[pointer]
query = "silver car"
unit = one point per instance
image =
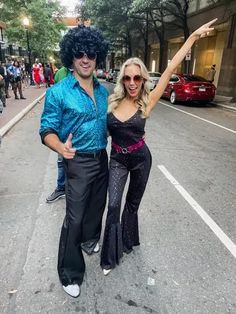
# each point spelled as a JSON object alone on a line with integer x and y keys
{"x": 154, "y": 78}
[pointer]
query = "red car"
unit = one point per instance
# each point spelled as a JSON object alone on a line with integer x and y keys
{"x": 188, "y": 87}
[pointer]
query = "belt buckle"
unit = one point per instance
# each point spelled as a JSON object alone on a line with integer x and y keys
{"x": 124, "y": 150}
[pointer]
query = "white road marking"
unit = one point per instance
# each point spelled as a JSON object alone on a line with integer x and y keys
{"x": 197, "y": 117}
{"x": 201, "y": 212}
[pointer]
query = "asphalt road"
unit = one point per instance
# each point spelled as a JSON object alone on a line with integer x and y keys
{"x": 186, "y": 261}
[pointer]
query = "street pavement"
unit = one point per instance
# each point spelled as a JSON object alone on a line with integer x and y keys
{"x": 182, "y": 266}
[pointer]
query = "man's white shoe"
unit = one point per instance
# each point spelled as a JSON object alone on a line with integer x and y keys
{"x": 72, "y": 290}
{"x": 96, "y": 249}
{"x": 106, "y": 271}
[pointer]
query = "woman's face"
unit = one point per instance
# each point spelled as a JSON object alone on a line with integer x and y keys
{"x": 132, "y": 80}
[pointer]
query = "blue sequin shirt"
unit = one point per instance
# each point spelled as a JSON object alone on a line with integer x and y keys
{"x": 69, "y": 109}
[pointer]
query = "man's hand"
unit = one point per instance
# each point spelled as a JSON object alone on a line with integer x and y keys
{"x": 68, "y": 152}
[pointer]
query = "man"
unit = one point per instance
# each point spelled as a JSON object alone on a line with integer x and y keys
{"x": 59, "y": 192}
{"x": 47, "y": 75}
{"x": 73, "y": 124}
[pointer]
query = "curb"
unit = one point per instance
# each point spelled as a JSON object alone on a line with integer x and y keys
{"x": 226, "y": 106}
{"x": 19, "y": 116}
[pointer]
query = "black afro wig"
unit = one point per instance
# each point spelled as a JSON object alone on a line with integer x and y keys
{"x": 81, "y": 38}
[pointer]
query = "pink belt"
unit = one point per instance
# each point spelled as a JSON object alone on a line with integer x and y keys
{"x": 129, "y": 149}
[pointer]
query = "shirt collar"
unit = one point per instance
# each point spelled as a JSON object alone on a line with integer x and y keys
{"x": 74, "y": 82}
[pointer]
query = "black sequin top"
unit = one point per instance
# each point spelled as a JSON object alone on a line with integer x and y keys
{"x": 128, "y": 132}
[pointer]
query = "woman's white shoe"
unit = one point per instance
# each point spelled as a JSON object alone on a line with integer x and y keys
{"x": 96, "y": 249}
{"x": 72, "y": 290}
{"x": 106, "y": 271}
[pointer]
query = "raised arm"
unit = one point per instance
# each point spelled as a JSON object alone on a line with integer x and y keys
{"x": 156, "y": 94}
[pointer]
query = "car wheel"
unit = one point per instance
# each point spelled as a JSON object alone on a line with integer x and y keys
{"x": 173, "y": 97}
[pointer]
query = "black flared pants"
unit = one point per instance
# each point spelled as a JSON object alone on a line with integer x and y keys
{"x": 119, "y": 238}
{"x": 86, "y": 189}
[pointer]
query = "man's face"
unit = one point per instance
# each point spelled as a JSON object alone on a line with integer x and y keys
{"x": 84, "y": 64}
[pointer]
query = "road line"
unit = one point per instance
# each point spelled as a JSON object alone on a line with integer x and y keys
{"x": 201, "y": 212}
{"x": 193, "y": 115}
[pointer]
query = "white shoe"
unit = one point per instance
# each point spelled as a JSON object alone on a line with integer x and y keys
{"x": 106, "y": 271}
{"x": 96, "y": 249}
{"x": 72, "y": 290}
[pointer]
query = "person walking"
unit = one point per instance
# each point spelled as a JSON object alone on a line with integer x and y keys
{"x": 211, "y": 73}
{"x": 2, "y": 86}
{"x": 74, "y": 124}
{"x": 129, "y": 106}
{"x": 36, "y": 74}
{"x": 16, "y": 77}
{"x": 47, "y": 75}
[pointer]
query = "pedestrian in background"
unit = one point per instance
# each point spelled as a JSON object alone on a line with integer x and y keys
{"x": 2, "y": 92}
{"x": 59, "y": 192}
{"x": 16, "y": 77}
{"x": 8, "y": 77}
{"x": 47, "y": 75}
{"x": 36, "y": 73}
{"x": 211, "y": 73}
{"x": 129, "y": 106}
{"x": 74, "y": 124}
{"x": 2, "y": 86}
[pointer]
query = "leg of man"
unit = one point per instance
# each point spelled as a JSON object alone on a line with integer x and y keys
{"x": 81, "y": 173}
{"x": 92, "y": 226}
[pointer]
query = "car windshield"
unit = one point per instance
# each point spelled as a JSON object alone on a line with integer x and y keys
{"x": 154, "y": 74}
{"x": 195, "y": 78}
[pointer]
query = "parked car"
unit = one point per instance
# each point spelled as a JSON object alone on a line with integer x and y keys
{"x": 154, "y": 78}
{"x": 112, "y": 75}
{"x": 188, "y": 87}
{"x": 101, "y": 74}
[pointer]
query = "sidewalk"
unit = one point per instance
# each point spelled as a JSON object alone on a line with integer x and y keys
{"x": 15, "y": 109}
{"x": 224, "y": 102}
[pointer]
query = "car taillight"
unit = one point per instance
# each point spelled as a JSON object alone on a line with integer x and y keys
{"x": 187, "y": 89}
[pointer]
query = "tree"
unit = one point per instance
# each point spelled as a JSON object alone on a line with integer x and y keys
{"x": 155, "y": 20}
{"x": 45, "y": 24}
{"x": 113, "y": 18}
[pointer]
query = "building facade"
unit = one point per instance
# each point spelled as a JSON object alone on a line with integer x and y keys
{"x": 218, "y": 48}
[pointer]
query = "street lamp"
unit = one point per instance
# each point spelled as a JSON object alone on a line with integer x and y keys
{"x": 26, "y": 24}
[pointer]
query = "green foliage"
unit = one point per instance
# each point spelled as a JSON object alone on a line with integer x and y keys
{"x": 113, "y": 18}
{"x": 45, "y": 23}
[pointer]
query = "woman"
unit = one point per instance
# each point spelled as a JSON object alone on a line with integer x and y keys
{"x": 36, "y": 74}
{"x": 129, "y": 107}
{"x": 16, "y": 77}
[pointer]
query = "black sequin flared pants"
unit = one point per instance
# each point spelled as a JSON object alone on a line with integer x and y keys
{"x": 121, "y": 237}
{"x": 86, "y": 190}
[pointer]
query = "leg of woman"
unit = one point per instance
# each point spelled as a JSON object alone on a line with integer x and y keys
{"x": 112, "y": 249}
{"x": 139, "y": 173}
{"x": 14, "y": 87}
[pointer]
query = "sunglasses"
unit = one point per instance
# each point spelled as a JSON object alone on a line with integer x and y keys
{"x": 136, "y": 78}
{"x": 88, "y": 55}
